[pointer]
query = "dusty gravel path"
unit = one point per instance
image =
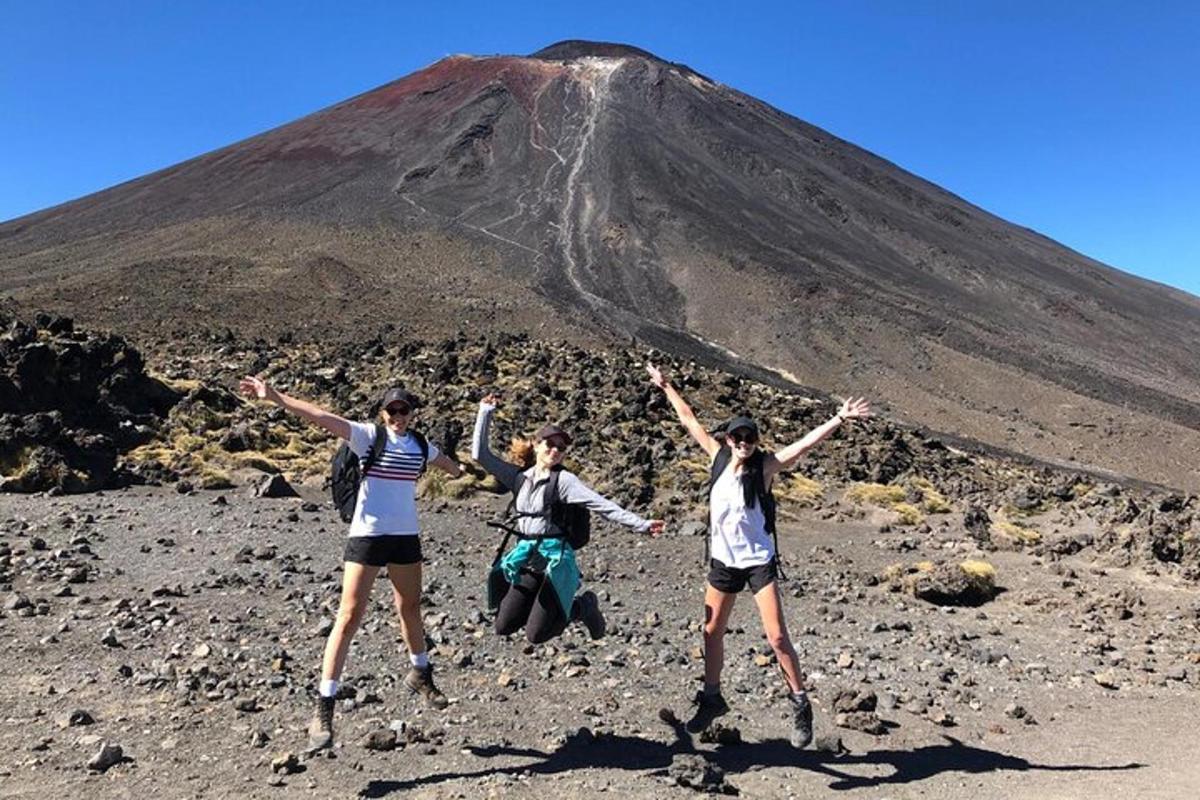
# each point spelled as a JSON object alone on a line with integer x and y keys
{"x": 203, "y": 626}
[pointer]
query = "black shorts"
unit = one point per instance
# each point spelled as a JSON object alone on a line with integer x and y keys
{"x": 379, "y": 551}
{"x": 732, "y": 580}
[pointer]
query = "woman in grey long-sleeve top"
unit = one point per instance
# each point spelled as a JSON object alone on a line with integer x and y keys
{"x": 542, "y": 574}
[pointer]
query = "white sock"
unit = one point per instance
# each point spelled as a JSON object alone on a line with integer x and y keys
{"x": 328, "y": 688}
{"x": 419, "y": 660}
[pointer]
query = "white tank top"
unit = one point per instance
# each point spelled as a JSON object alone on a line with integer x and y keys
{"x": 739, "y": 534}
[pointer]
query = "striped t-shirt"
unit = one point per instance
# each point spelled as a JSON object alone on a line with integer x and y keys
{"x": 387, "y": 503}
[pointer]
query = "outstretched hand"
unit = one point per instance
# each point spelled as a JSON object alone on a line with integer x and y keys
{"x": 254, "y": 387}
{"x": 656, "y": 376}
{"x": 490, "y": 399}
{"x": 656, "y": 527}
{"x": 855, "y": 408}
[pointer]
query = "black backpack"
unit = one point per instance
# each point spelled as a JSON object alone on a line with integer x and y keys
{"x": 573, "y": 519}
{"x": 755, "y": 490}
{"x": 347, "y": 469}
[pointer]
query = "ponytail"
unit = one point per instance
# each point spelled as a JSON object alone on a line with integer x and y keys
{"x": 520, "y": 452}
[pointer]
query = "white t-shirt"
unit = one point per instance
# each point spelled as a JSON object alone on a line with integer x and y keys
{"x": 739, "y": 534}
{"x": 387, "y": 495}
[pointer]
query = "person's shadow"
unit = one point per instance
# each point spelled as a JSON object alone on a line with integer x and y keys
{"x": 636, "y": 754}
{"x": 908, "y": 766}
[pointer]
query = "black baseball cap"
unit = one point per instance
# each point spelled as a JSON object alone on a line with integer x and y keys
{"x": 741, "y": 422}
{"x": 546, "y": 431}
{"x": 398, "y": 394}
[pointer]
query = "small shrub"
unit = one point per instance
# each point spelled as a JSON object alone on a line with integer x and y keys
{"x": 1016, "y": 533}
{"x": 802, "y": 491}
{"x": 932, "y": 501}
{"x": 255, "y": 461}
{"x": 188, "y": 443}
{"x": 876, "y": 494}
{"x": 978, "y": 569}
{"x": 213, "y": 478}
{"x": 437, "y": 484}
{"x": 908, "y": 514}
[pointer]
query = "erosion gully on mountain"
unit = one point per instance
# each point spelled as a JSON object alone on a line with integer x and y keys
{"x": 596, "y": 192}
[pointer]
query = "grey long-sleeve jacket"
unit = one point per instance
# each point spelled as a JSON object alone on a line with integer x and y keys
{"x": 531, "y": 499}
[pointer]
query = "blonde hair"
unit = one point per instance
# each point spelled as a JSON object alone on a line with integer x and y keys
{"x": 520, "y": 452}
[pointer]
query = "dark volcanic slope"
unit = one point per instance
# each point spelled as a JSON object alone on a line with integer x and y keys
{"x": 639, "y": 197}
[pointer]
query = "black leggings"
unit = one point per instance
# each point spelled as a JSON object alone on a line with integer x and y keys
{"x": 531, "y": 602}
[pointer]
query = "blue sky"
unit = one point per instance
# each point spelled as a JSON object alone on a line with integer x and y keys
{"x": 1080, "y": 120}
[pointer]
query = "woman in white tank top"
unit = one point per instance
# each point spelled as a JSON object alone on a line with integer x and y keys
{"x": 743, "y": 547}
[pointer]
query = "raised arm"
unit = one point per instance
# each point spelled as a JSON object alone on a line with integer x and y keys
{"x": 447, "y": 464}
{"x": 573, "y": 490}
{"x": 853, "y": 408}
{"x": 254, "y": 387}
{"x": 503, "y": 471}
{"x": 684, "y": 412}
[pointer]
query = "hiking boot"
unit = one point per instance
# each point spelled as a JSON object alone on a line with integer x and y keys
{"x": 587, "y": 606}
{"x": 320, "y": 730}
{"x": 420, "y": 681}
{"x": 802, "y": 721}
{"x": 708, "y": 708}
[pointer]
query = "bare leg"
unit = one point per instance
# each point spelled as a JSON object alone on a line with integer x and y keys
{"x": 718, "y": 606}
{"x": 357, "y": 580}
{"x": 770, "y": 608}
{"x": 406, "y": 593}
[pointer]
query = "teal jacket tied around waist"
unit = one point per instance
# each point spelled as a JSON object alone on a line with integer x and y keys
{"x": 554, "y": 557}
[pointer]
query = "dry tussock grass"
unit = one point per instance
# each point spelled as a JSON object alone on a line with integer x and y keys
{"x": 800, "y": 490}
{"x": 876, "y": 494}
{"x": 1016, "y": 533}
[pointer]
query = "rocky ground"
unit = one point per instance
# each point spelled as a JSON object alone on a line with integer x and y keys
{"x": 186, "y": 630}
{"x": 970, "y": 621}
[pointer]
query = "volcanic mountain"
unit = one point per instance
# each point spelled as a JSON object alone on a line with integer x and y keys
{"x": 594, "y": 191}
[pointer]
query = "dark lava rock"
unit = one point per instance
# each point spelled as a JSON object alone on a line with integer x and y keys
{"x": 275, "y": 486}
{"x": 695, "y": 772}
{"x": 70, "y": 404}
{"x": 76, "y": 718}
{"x": 865, "y": 721}
{"x": 1028, "y": 498}
{"x": 951, "y": 585}
{"x": 721, "y": 734}
{"x": 110, "y": 754}
{"x": 847, "y": 700}
{"x": 382, "y": 740}
{"x": 978, "y": 524}
{"x": 286, "y": 763}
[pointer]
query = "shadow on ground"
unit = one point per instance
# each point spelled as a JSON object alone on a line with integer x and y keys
{"x": 637, "y": 754}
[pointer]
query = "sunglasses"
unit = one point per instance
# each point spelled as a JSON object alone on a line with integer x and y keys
{"x": 740, "y": 437}
{"x": 556, "y": 444}
{"x": 399, "y": 410}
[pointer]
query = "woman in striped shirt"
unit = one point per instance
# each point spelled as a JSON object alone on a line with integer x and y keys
{"x": 383, "y": 533}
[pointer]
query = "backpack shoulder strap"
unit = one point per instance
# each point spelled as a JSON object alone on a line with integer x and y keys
{"x": 511, "y": 511}
{"x": 720, "y": 462}
{"x": 550, "y": 498}
{"x": 422, "y": 443}
{"x": 719, "y": 465}
{"x": 551, "y": 501}
{"x": 376, "y": 450}
{"x": 766, "y": 499}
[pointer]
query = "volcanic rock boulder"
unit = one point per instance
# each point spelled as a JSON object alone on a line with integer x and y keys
{"x": 970, "y": 583}
{"x": 70, "y": 403}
